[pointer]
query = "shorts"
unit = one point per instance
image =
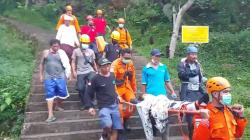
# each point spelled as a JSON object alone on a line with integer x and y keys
{"x": 55, "y": 88}
{"x": 110, "y": 117}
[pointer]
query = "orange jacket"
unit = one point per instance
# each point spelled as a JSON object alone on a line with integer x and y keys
{"x": 222, "y": 126}
{"x": 73, "y": 22}
{"x": 125, "y": 37}
{"x": 119, "y": 70}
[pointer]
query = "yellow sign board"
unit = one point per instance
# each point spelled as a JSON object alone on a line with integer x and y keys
{"x": 195, "y": 34}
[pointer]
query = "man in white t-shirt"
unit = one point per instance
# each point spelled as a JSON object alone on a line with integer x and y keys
{"x": 68, "y": 36}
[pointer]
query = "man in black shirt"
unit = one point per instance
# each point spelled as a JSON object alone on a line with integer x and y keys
{"x": 103, "y": 84}
{"x": 112, "y": 50}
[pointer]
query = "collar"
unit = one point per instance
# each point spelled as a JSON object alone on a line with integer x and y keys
{"x": 184, "y": 60}
{"x": 214, "y": 109}
{"x": 150, "y": 65}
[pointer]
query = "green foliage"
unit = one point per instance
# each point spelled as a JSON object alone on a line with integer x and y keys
{"x": 15, "y": 79}
{"x": 49, "y": 11}
{"x": 30, "y": 16}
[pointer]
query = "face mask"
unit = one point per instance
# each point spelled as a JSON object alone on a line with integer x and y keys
{"x": 226, "y": 99}
{"x": 85, "y": 46}
{"x": 125, "y": 61}
{"x": 121, "y": 25}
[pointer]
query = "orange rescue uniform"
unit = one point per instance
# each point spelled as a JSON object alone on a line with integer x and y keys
{"x": 125, "y": 38}
{"x": 74, "y": 22}
{"x": 127, "y": 89}
{"x": 222, "y": 126}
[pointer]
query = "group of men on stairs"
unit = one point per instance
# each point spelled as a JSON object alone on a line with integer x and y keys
{"x": 106, "y": 72}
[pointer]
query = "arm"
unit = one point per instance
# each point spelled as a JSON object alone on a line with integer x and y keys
{"x": 129, "y": 39}
{"x": 169, "y": 87}
{"x": 167, "y": 81}
{"x": 144, "y": 80}
{"x": 60, "y": 22}
{"x": 59, "y": 34}
{"x": 182, "y": 74}
{"x": 41, "y": 67}
{"x": 89, "y": 96}
{"x": 76, "y": 24}
{"x": 73, "y": 64}
{"x": 94, "y": 63}
{"x": 133, "y": 80}
{"x": 240, "y": 128}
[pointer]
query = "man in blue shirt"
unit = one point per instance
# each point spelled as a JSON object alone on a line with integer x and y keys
{"x": 155, "y": 77}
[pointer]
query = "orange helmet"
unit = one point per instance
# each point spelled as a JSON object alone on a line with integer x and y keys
{"x": 99, "y": 12}
{"x": 68, "y": 8}
{"x": 217, "y": 84}
{"x": 121, "y": 21}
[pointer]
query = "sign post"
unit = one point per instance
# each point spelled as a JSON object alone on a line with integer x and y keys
{"x": 195, "y": 34}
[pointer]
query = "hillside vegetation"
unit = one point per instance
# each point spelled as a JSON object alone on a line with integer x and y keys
{"x": 226, "y": 54}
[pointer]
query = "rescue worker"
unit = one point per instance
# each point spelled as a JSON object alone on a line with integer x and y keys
{"x": 83, "y": 66}
{"x": 54, "y": 69}
{"x": 125, "y": 38}
{"x": 100, "y": 23}
{"x": 67, "y": 36}
{"x": 74, "y": 22}
{"x": 190, "y": 75}
{"x": 220, "y": 121}
{"x": 112, "y": 50}
{"x": 124, "y": 72}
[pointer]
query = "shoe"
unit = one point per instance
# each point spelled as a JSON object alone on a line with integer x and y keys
{"x": 51, "y": 119}
{"x": 57, "y": 108}
{"x": 84, "y": 108}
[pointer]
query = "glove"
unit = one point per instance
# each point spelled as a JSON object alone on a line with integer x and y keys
{"x": 173, "y": 95}
{"x": 193, "y": 73}
{"x": 204, "y": 99}
{"x": 238, "y": 110}
{"x": 134, "y": 101}
{"x": 128, "y": 74}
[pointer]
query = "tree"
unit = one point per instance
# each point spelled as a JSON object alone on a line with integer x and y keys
{"x": 176, "y": 25}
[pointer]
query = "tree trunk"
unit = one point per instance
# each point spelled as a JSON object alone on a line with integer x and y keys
{"x": 177, "y": 24}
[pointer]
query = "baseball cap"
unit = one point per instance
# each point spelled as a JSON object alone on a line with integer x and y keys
{"x": 103, "y": 61}
{"x": 192, "y": 49}
{"x": 155, "y": 52}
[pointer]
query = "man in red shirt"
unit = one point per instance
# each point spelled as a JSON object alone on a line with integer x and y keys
{"x": 100, "y": 23}
{"x": 90, "y": 30}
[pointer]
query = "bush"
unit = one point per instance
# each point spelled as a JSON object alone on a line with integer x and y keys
{"x": 15, "y": 80}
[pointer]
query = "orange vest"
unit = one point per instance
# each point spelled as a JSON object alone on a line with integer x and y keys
{"x": 125, "y": 37}
{"x": 119, "y": 70}
{"x": 222, "y": 126}
{"x": 74, "y": 22}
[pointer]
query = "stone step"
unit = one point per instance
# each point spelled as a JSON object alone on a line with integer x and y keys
{"x": 60, "y": 126}
{"x": 42, "y": 106}
{"x": 40, "y": 116}
{"x": 177, "y": 129}
{"x": 136, "y": 132}
{"x": 38, "y": 97}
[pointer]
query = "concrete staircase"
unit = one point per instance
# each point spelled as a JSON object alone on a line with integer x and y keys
{"x": 71, "y": 124}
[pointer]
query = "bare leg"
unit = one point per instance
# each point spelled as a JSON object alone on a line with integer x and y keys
{"x": 113, "y": 135}
{"x": 50, "y": 108}
{"x": 58, "y": 103}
